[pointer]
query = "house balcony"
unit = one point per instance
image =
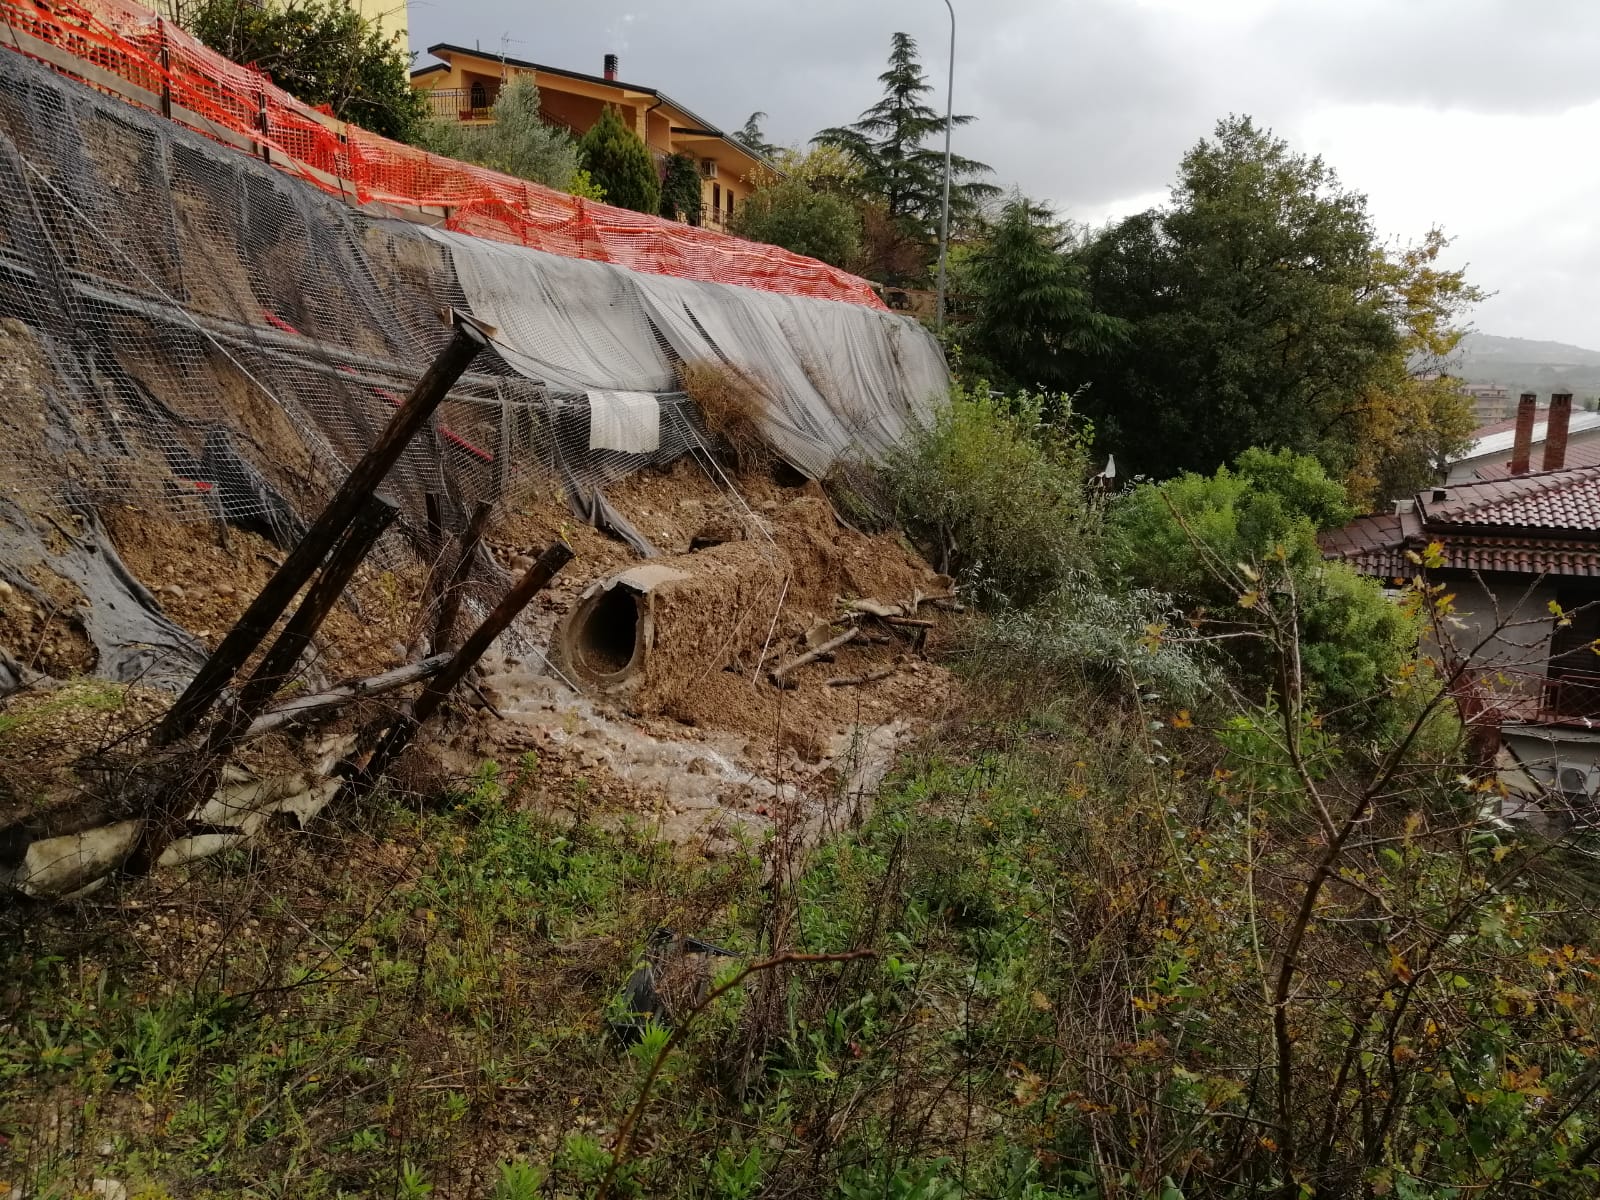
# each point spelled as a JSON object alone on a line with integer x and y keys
{"x": 462, "y": 104}
{"x": 1503, "y": 695}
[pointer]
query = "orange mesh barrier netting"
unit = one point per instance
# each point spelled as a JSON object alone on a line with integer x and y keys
{"x": 127, "y": 50}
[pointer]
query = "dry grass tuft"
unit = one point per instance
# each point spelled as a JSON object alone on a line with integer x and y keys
{"x": 733, "y": 404}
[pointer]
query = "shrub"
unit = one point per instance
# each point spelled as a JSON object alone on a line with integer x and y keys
{"x": 680, "y": 190}
{"x": 518, "y": 143}
{"x": 995, "y": 494}
{"x": 1083, "y": 630}
{"x": 619, "y": 162}
{"x": 791, "y": 215}
{"x": 1196, "y": 536}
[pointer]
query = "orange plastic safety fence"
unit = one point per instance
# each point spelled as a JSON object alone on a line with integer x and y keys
{"x": 122, "y": 48}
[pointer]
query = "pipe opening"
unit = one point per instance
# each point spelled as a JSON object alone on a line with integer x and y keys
{"x": 608, "y": 638}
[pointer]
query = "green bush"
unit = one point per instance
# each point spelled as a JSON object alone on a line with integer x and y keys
{"x": 995, "y": 494}
{"x": 1083, "y": 630}
{"x": 1199, "y": 537}
{"x": 518, "y": 143}
{"x": 792, "y": 215}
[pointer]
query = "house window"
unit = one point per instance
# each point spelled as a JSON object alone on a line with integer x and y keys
{"x": 480, "y": 96}
{"x": 716, "y": 198}
{"x": 730, "y": 204}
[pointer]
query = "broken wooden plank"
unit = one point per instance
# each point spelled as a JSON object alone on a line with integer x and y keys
{"x": 302, "y": 707}
{"x": 777, "y": 674}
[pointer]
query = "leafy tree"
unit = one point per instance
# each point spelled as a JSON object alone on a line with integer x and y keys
{"x": 1029, "y": 303}
{"x": 790, "y": 214}
{"x": 619, "y": 162}
{"x": 888, "y": 141}
{"x": 1196, "y": 536}
{"x": 1263, "y": 311}
{"x": 680, "y": 190}
{"x": 751, "y": 138}
{"x": 518, "y": 143}
{"x": 323, "y": 52}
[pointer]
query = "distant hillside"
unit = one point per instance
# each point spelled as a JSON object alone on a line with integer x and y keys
{"x": 1528, "y": 365}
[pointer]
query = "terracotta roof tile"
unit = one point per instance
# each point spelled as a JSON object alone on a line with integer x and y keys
{"x": 1567, "y": 500}
{"x": 1544, "y": 524}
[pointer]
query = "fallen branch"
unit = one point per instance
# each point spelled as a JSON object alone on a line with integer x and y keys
{"x": 858, "y": 680}
{"x": 811, "y": 656}
{"x": 909, "y": 622}
{"x": 345, "y": 693}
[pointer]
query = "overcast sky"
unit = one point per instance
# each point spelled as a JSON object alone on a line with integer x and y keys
{"x": 1481, "y": 116}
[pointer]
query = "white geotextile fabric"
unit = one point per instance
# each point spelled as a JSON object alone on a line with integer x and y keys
{"x": 626, "y": 421}
{"x": 845, "y": 381}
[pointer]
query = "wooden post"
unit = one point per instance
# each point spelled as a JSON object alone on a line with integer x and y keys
{"x": 405, "y": 727}
{"x": 444, "y": 631}
{"x": 279, "y": 662}
{"x": 302, "y": 707}
{"x": 434, "y": 512}
{"x": 469, "y": 338}
{"x": 166, "y": 68}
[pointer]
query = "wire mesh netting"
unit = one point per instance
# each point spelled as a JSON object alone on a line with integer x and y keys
{"x": 224, "y": 339}
{"x": 147, "y": 61}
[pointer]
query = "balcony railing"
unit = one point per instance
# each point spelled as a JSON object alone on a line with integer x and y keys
{"x": 1495, "y": 695}
{"x": 461, "y": 104}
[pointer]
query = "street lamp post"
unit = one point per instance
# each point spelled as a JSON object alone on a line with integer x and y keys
{"x": 949, "y": 122}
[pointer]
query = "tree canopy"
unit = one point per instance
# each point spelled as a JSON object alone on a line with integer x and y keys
{"x": 899, "y": 170}
{"x": 1262, "y": 310}
{"x": 323, "y": 52}
{"x": 751, "y": 138}
{"x": 790, "y": 214}
{"x": 619, "y": 163}
{"x": 1030, "y": 308}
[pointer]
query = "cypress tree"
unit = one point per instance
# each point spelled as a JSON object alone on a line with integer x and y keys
{"x": 619, "y": 162}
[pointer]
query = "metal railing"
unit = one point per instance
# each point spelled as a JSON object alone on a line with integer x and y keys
{"x": 461, "y": 104}
{"x": 1498, "y": 694}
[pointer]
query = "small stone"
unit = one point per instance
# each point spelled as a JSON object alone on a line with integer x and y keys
{"x": 520, "y": 562}
{"x": 109, "y": 1189}
{"x": 226, "y": 589}
{"x": 173, "y": 590}
{"x": 6, "y": 590}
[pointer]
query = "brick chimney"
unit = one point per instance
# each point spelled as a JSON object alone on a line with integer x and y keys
{"x": 611, "y": 66}
{"x": 1522, "y": 448}
{"x": 1555, "y": 437}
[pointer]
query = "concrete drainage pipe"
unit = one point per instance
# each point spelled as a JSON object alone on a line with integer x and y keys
{"x": 604, "y": 643}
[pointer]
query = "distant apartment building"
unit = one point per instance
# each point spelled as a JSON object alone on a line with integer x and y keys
{"x": 463, "y": 86}
{"x": 1490, "y": 401}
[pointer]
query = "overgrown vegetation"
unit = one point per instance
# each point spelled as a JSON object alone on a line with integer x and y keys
{"x": 321, "y": 51}
{"x": 792, "y": 214}
{"x": 994, "y": 492}
{"x": 733, "y": 404}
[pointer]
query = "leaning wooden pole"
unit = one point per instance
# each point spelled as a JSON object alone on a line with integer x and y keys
{"x": 405, "y": 727}
{"x": 467, "y": 339}
{"x": 279, "y": 663}
{"x": 444, "y": 631}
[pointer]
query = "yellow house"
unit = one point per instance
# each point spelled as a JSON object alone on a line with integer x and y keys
{"x": 463, "y": 87}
